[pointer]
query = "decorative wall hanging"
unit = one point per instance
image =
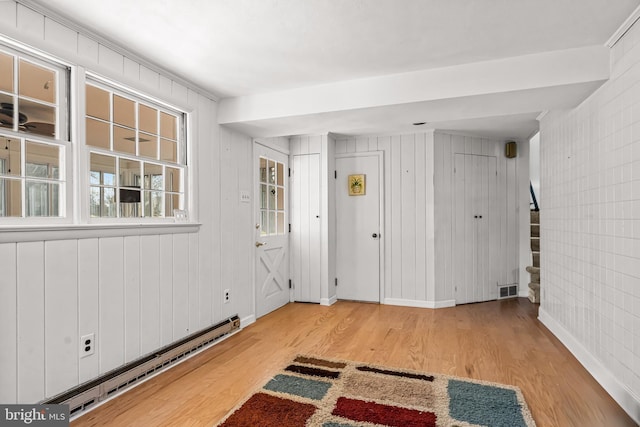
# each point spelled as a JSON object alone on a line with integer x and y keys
{"x": 357, "y": 185}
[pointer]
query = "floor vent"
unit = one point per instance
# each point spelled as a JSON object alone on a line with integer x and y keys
{"x": 85, "y": 396}
{"x": 508, "y": 291}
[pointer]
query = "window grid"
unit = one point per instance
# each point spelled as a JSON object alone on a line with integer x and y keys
{"x": 272, "y": 197}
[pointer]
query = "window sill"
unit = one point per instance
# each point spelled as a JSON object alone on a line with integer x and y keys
{"x": 16, "y": 234}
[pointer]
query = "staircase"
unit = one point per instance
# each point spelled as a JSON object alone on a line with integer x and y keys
{"x": 534, "y": 270}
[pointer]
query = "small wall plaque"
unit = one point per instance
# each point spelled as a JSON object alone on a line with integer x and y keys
{"x": 357, "y": 185}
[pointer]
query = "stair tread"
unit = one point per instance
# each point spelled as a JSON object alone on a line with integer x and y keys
{"x": 532, "y": 269}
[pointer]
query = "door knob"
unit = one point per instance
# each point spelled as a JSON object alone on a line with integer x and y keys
{"x": 258, "y": 244}
{"x": 374, "y": 235}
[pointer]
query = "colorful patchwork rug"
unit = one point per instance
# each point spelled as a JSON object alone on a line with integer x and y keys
{"x": 315, "y": 391}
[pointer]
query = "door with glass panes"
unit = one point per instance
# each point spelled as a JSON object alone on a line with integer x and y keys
{"x": 271, "y": 233}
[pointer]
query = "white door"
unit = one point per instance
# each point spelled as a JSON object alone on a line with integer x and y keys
{"x": 305, "y": 227}
{"x": 358, "y": 226}
{"x": 272, "y": 240}
{"x": 475, "y": 231}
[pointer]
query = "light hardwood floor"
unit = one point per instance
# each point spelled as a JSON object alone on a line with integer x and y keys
{"x": 500, "y": 341}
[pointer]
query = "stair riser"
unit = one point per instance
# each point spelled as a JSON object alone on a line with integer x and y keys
{"x": 535, "y": 217}
{"x": 535, "y": 230}
{"x": 536, "y": 260}
{"x": 535, "y": 245}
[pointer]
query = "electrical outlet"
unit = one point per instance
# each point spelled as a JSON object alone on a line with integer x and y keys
{"x": 87, "y": 345}
{"x": 227, "y": 297}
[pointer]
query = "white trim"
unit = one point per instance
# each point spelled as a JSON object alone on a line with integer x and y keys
{"x": 420, "y": 304}
{"x": 540, "y": 117}
{"x": 329, "y": 301}
{"x": 622, "y": 29}
{"x": 620, "y": 393}
{"x": 271, "y": 145}
{"x": 247, "y": 320}
{"x": 87, "y": 231}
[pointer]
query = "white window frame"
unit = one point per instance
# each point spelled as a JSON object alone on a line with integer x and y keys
{"x": 86, "y": 150}
{"x": 63, "y": 104}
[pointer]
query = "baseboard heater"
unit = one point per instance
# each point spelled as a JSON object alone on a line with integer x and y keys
{"x": 84, "y": 396}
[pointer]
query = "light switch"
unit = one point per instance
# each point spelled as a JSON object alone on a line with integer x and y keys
{"x": 245, "y": 197}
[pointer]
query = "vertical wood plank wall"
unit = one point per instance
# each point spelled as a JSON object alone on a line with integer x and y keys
{"x": 507, "y": 260}
{"x": 135, "y": 292}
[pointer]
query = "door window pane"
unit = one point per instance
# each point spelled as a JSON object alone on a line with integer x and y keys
{"x": 272, "y": 172}
{"x": 280, "y": 222}
{"x": 280, "y": 206}
{"x": 263, "y": 169}
{"x": 272, "y": 197}
{"x": 280, "y": 174}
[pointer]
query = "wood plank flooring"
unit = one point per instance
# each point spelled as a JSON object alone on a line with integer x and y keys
{"x": 499, "y": 341}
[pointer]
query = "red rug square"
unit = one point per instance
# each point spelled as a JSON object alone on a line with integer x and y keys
{"x": 359, "y": 410}
{"x": 265, "y": 410}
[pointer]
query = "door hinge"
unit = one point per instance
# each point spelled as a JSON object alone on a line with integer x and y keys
{"x": 336, "y": 281}
{"x": 289, "y": 228}
{"x": 335, "y": 174}
{"x": 289, "y": 172}
{"x": 290, "y": 284}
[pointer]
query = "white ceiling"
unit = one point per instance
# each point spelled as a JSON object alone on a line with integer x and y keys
{"x": 241, "y": 48}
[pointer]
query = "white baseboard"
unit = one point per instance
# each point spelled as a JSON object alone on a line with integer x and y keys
{"x": 329, "y": 301}
{"x": 620, "y": 393}
{"x": 420, "y": 304}
{"x": 246, "y": 321}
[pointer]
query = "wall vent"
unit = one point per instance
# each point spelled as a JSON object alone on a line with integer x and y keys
{"x": 508, "y": 291}
{"x": 85, "y": 396}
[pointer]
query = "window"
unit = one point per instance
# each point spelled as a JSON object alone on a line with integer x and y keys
{"x": 136, "y": 155}
{"x": 271, "y": 197}
{"x": 33, "y": 136}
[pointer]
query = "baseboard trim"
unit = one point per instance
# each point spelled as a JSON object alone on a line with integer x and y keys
{"x": 420, "y": 304}
{"x": 329, "y": 301}
{"x": 248, "y": 320}
{"x": 618, "y": 391}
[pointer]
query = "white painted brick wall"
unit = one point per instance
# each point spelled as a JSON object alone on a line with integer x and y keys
{"x": 590, "y": 219}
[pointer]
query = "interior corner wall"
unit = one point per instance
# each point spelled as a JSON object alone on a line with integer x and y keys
{"x": 590, "y": 227}
{"x": 509, "y": 197}
{"x": 408, "y": 214}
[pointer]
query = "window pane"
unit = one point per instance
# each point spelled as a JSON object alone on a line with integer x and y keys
{"x": 129, "y": 203}
{"x": 263, "y": 196}
{"x": 10, "y": 157}
{"x": 147, "y": 119}
{"x": 263, "y": 169}
{"x": 102, "y": 202}
{"x": 130, "y": 173}
{"x": 280, "y": 199}
{"x": 280, "y": 222}
{"x": 36, "y": 82}
{"x": 6, "y": 111}
{"x": 264, "y": 223}
{"x": 272, "y": 197}
{"x": 280, "y": 180}
{"x": 168, "y": 150}
{"x": 10, "y": 197}
{"x": 98, "y": 134}
{"x": 6, "y": 72}
{"x": 148, "y": 145}
{"x": 42, "y": 199}
{"x": 43, "y": 161}
{"x": 153, "y": 204}
{"x": 103, "y": 169}
{"x": 98, "y": 104}
{"x": 172, "y": 179}
{"x": 124, "y": 140}
{"x": 172, "y": 201}
{"x": 39, "y": 118}
{"x": 124, "y": 112}
{"x": 168, "y": 126}
{"x": 272, "y": 223}
{"x": 152, "y": 176}
{"x": 272, "y": 172}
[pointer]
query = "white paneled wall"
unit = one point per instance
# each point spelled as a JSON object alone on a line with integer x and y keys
{"x": 590, "y": 227}
{"x": 509, "y": 187}
{"x": 408, "y": 223}
{"x": 137, "y": 290}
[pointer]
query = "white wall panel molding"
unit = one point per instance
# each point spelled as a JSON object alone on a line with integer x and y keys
{"x": 535, "y": 71}
{"x": 420, "y": 304}
{"x": 620, "y": 393}
{"x": 329, "y": 301}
